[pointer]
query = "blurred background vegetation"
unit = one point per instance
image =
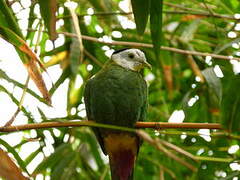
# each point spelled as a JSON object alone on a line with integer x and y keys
{"x": 194, "y": 79}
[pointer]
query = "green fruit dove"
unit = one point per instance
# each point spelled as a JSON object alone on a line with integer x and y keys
{"x": 117, "y": 95}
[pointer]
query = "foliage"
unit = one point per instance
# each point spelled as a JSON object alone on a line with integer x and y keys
{"x": 178, "y": 81}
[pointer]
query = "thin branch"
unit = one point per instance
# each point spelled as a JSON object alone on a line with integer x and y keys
{"x": 198, "y": 12}
{"x": 177, "y": 149}
{"x": 204, "y": 14}
{"x": 139, "y": 132}
{"x": 160, "y": 165}
{"x": 158, "y": 146}
{"x": 166, "y": 125}
{"x": 214, "y": 159}
{"x": 168, "y": 171}
{"x": 181, "y": 7}
{"x": 98, "y": 14}
{"x": 20, "y": 102}
{"x": 9, "y": 122}
{"x": 154, "y": 125}
{"x": 90, "y": 56}
{"x": 213, "y": 135}
{"x": 161, "y": 174}
{"x": 195, "y": 68}
{"x": 26, "y": 83}
{"x": 187, "y": 11}
{"x": 104, "y": 174}
{"x": 22, "y": 86}
{"x": 146, "y": 45}
{"x": 61, "y": 124}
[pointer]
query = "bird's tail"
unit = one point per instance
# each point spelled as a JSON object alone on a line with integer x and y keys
{"x": 122, "y": 149}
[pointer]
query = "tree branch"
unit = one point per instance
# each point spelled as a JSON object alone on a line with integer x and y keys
{"x": 188, "y": 11}
{"x": 146, "y": 45}
{"x": 154, "y": 125}
{"x": 159, "y": 146}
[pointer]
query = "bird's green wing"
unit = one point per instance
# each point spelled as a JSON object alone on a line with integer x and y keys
{"x": 89, "y": 110}
{"x": 143, "y": 114}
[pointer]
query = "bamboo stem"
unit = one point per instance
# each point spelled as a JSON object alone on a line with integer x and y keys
{"x": 166, "y": 125}
{"x": 154, "y": 125}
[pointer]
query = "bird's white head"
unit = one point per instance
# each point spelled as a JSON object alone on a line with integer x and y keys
{"x": 133, "y": 59}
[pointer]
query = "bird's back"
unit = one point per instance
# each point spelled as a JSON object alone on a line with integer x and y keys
{"x": 117, "y": 96}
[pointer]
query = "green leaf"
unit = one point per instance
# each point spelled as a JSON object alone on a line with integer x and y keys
{"x": 140, "y": 11}
{"x": 189, "y": 31}
{"x": 227, "y": 5}
{"x": 28, "y": 58}
{"x": 14, "y": 100}
{"x": 230, "y": 106}
{"x": 75, "y": 92}
{"x": 10, "y": 36}
{"x": 156, "y": 25}
{"x": 64, "y": 166}
{"x": 30, "y": 34}
{"x": 48, "y": 9}
{"x": 32, "y": 156}
{"x": 54, "y": 158}
{"x": 74, "y": 56}
{"x": 3, "y": 75}
{"x": 7, "y": 18}
{"x": 65, "y": 74}
{"x": 225, "y": 46}
{"x": 231, "y": 175}
{"x": 213, "y": 82}
{"x": 88, "y": 137}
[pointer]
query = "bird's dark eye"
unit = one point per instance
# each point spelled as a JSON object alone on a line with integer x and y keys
{"x": 131, "y": 56}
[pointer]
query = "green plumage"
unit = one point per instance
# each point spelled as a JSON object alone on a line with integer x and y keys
{"x": 115, "y": 96}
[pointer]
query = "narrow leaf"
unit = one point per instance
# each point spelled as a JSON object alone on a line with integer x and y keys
{"x": 48, "y": 9}
{"x": 190, "y": 30}
{"x": 28, "y": 58}
{"x": 64, "y": 166}
{"x": 156, "y": 24}
{"x": 51, "y": 161}
{"x": 32, "y": 16}
{"x": 32, "y": 156}
{"x": 213, "y": 82}
{"x": 74, "y": 56}
{"x": 231, "y": 104}
{"x": 7, "y": 18}
{"x": 140, "y": 11}
{"x": 3, "y": 75}
{"x": 65, "y": 74}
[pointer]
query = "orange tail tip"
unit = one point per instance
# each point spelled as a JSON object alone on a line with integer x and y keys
{"x": 122, "y": 150}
